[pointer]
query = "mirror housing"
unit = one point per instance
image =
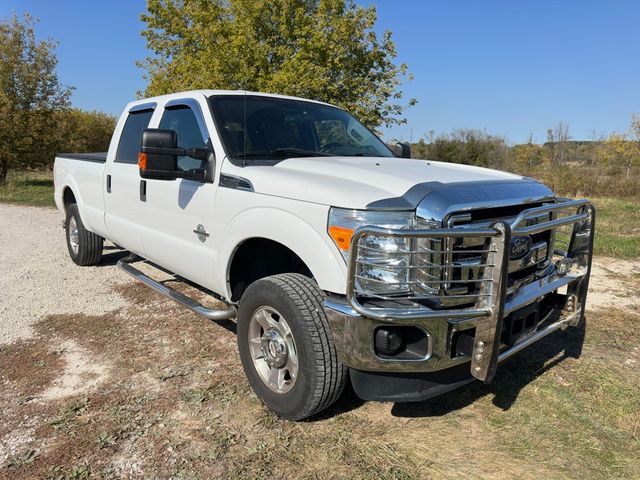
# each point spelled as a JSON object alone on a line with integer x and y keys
{"x": 401, "y": 149}
{"x": 158, "y": 157}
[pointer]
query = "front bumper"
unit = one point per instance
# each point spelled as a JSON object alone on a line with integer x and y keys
{"x": 354, "y": 334}
{"x": 442, "y": 367}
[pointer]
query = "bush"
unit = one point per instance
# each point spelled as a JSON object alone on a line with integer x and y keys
{"x": 82, "y": 131}
{"x": 570, "y": 168}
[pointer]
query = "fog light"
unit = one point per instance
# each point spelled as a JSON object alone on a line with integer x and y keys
{"x": 562, "y": 267}
{"x": 388, "y": 342}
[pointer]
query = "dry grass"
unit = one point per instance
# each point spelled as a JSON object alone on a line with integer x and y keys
{"x": 617, "y": 227}
{"x": 176, "y": 404}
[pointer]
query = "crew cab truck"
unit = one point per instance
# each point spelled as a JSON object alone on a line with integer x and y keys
{"x": 336, "y": 255}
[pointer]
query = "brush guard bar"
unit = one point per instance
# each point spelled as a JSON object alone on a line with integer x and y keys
{"x": 489, "y": 297}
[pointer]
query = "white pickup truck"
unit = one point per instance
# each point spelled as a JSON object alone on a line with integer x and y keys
{"x": 335, "y": 256}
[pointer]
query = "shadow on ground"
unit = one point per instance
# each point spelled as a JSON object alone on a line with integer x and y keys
{"x": 512, "y": 376}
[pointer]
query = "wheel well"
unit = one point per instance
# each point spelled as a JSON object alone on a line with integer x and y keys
{"x": 68, "y": 198}
{"x": 257, "y": 258}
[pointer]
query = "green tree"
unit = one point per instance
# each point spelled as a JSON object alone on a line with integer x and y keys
{"x": 321, "y": 49}
{"x": 30, "y": 96}
{"x": 528, "y": 156}
{"x": 81, "y": 131}
{"x": 621, "y": 153}
{"x": 464, "y": 145}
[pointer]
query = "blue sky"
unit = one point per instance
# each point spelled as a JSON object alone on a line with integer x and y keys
{"x": 511, "y": 67}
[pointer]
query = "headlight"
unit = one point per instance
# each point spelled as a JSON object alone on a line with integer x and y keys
{"x": 382, "y": 261}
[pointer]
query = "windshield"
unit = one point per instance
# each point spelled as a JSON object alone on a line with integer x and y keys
{"x": 255, "y": 127}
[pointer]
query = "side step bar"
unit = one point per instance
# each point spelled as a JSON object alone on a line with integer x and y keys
{"x": 212, "y": 314}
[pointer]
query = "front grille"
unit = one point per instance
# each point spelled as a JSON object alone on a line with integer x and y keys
{"x": 521, "y": 271}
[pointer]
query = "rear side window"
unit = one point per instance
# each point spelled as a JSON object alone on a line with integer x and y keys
{"x": 129, "y": 145}
{"x": 183, "y": 120}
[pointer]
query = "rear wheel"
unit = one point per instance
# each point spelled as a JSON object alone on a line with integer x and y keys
{"x": 85, "y": 247}
{"x": 286, "y": 346}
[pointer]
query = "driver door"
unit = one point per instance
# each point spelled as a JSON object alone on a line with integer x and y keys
{"x": 178, "y": 214}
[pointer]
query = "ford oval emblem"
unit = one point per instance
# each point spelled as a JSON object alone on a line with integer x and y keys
{"x": 519, "y": 247}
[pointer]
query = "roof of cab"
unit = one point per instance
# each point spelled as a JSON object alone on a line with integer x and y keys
{"x": 209, "y": 93}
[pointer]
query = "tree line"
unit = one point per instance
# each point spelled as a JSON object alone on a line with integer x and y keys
{"x": 36, "y": 117}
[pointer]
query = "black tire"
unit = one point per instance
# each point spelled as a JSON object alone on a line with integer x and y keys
{"x": 89, "y": 251}
{"x": 321, "y": 377}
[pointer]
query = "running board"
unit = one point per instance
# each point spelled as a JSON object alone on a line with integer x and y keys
{"x": 212, "y": 314}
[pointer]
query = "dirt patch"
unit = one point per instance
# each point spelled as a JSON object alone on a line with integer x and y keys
{"x": 614, "y": 284}
{"x": 82, "y": 372}
{"x": 170, "y": 401}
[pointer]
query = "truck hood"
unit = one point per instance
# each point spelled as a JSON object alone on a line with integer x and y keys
{"x": 363, "y": 182}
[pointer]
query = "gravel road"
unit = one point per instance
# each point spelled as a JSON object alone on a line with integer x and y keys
{"x": 38, "y": 278}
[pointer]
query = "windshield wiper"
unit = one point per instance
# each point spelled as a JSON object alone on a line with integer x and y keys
{"x": 283, "y": 152}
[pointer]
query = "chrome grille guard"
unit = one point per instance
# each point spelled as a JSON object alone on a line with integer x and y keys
{"x": 488, "y": 297}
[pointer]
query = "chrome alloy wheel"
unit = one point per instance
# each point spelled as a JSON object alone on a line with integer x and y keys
{"x": 273, "y": 349}
{"x": 74, "y": 236}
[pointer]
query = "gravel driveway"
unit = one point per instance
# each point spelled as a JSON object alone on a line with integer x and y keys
{"x": 38, "y": 278}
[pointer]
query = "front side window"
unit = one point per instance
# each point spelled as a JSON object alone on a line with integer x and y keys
{"x": 259, "y": 127}
{"x": 183, "y": 120}
{"x": 129, "y": 145}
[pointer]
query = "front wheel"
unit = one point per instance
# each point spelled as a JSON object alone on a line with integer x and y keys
{"x": 85, "y": 247}
{"x": 286, "y": 346}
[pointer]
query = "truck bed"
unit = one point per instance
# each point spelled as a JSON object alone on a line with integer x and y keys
{"x": 83, "y": 174}
{"x": 98, "y": 157}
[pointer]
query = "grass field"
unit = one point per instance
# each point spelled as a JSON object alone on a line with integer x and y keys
{"x": 617, "y": 227}
{"x": 28, "y": 188}
{"x": 617, "y": 223}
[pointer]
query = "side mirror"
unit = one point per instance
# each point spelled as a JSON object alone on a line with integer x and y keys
{"x": 401, "y": 149}
{"x": 158, "y": 157}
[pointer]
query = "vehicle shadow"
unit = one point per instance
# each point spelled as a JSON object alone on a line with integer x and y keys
{"x": 111, "y": 259}
{"x": 512, "y": 376}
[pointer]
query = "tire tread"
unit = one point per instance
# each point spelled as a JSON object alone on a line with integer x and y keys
{"x": 331, "y": 374}
{"x": 91, "y": 245}
{"x": 310, "y": 298}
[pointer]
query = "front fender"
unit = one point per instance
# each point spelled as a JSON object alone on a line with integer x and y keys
{"x": 303, "y": 232}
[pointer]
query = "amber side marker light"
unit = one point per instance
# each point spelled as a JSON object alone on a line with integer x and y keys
{"x": 142, "y": 161}
{"x": 342, "y": 236}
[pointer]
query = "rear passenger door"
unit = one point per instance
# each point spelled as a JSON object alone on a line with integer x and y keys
{"x": 121, "y": 182}
{"x": 174, "y": 211}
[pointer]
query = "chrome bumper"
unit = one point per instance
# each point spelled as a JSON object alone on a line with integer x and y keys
{"x": 354, "y": 322}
